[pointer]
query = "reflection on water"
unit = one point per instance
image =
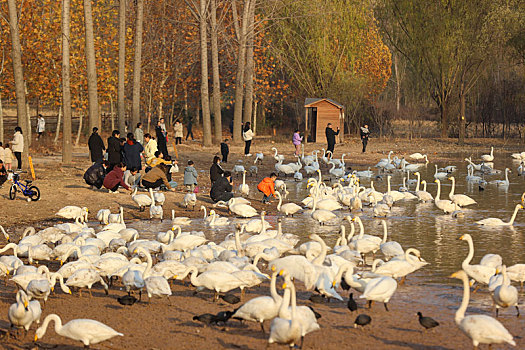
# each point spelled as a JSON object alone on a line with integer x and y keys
{"x": 412, "y": 224}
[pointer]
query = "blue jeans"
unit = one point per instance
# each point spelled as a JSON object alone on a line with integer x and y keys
{"x": 266, "y": 199}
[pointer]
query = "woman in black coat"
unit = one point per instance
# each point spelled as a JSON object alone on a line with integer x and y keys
{"x": 114, "y": 155}
{"x": 132, "y": 151}
{"x": 96, "y": 146}
{"x": 215, "y": 171}
{"x": 161, "y": 140}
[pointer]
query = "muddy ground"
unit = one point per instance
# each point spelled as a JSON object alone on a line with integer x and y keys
{"x": 163, "y": 324}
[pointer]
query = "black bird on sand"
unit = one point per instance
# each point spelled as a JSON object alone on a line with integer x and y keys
{"x": 427, "y": 322}
{"x": 318, "y": 299}
{"x": 352, "y": 305}
{"x": 223, "y": 316}
{"x": 205, "y": 318}
{"x": 230, "y": 298}
{"x": 362, "y": 320}
{"x": 127, "y": 300}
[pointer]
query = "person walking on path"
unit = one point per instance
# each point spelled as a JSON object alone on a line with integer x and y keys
{"x": 40, "y": 126}
{"x": 114, "y": 149}
{"x": 18, "y": 146}
{"x": 215, "y": 171}
{"x": 156, "y": 177}
{"x": 225, "y": 150}
{"x": 132, "y": 151}
{"x": 161, "y": 139}
{"x": 179, "y": 132}
{"x": 96, "y": 146}
{"x": 221, "y": 190}
{"x": 96, "y": 173}
{"x": 190, "y": 176}
{"x": 365, "y": 133}
{"x": 247, "y": 136}
{"x": 330, "y": 137}
{"x": 139, "y": 134}
{"x": 189, "y": 128}
{"x": 267, "y": 187}
{"x": 115, "y": 178}
{"x": 296, "y": 140}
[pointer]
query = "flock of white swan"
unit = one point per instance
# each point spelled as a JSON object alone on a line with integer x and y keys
{"x": 116, "y": 251}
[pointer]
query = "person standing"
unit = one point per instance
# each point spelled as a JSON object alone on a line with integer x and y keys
{"x": 18, "y": 146}
{"x": 247, "y": 136}
{"x": 221, "y": 190}
{"x": 179, "y": 133}
{"x": 40, "y": 126}
{"x": 114, "y": 149}
{"x": 96, "y": 146}
{"x": 225, "y": 150}
{"x": 190, "y": 176}
{"x": 330, "y": 137}
{"x": 8, "y": 157}
{"x": 189, "y": 129}
{"x": 215, "y": 171}
{"x": 132, "y": 151}
{"x": 365, "y": 133}
{"x": 296, "y": 140}
{"x": 139, "y": 134}
{"x": 161, "y": 139}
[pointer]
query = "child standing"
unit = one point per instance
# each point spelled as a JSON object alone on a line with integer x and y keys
{"x": 267, "y": 187}
{"x": 190, "y": 176}
{"x": 225, "y": 150}
{"x": 296, "y": 140}
{"x": 8, "y": 157}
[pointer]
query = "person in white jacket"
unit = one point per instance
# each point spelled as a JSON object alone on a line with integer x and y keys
{"x": 18, "y": 146}
{"x": 40, "y": 126}
{"x": 247, "y": 135}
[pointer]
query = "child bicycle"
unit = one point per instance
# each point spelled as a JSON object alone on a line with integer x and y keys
{"x": 32, "y": 192}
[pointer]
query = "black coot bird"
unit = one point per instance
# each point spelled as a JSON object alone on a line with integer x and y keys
{"x": 427, "y": 322}
{"x": 317, "y": 299}
{"x": 230, "y": 298}
{"x": 362, "y": 320}
{"x": 352, "y": 305}
{"x": 127, "y": 300}
{"x": 205, "y": 318}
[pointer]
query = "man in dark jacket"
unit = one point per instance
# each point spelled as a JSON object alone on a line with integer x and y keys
{"x": 330, "y": 137}
{"x": 96, "y": 146}
{"x": 94, "y": 176}
{"x": 221, "y": 190}
{"x": 365, "y": 133}
{"x": 114, "y": 156}
{"x": 161, "y": 140}
{"x": 132, "y": 151}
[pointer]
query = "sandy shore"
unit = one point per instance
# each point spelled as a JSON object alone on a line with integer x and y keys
{"x": 168, "y": 325}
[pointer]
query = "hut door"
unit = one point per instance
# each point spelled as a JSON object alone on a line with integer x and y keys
{"x": 312, "y": 124}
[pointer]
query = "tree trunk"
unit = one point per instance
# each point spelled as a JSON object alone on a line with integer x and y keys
{"x": 67, "y": 152}
{"x": 161, "y": 90}
{"x": 137, "y": 64}
{"x": 248, "y": 94}
{"x": 1, "y": 120}
{"x": 91, "y": 67}
{"x": 112, "y": 115}
{"x": 444, "y": 119}
{"x": 254, "y": 126}
{"x": 29, "y": 128}
{"x": 121, "y": 108}
{"x": 18, "y": 72}
{"x": 59, "y": 121}
{"x": 79, "y": 128}
{"x": 462, "y": 121}
{"x": 398, "y": 83}
{"x": 205, "y": 97}
{"x": 186, "y": 102}
{"x": 239, "y": 78}
{"x": 217, "y": 115}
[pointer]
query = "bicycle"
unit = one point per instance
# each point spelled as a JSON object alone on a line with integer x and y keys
{"x": 28, "y": 190}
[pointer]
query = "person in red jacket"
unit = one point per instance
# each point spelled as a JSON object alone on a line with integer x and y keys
{"x": 267, "y": 187}
{"x": 115, "y": 178}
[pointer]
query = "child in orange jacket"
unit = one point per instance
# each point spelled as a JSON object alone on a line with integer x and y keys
{"x": 267, "y": 187}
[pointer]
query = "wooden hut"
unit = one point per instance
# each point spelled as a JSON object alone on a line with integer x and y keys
{"x": 318, "y": 113}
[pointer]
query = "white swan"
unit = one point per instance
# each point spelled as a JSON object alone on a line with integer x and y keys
{"x": 73, "y": 212}
{"x": 322, "y": 215}
{"x": 243, "y": 210}
{"x": 155, "y": 211}
{"x": 460, "y": 199}
{"x": 379, "y": 289}
{"x": 488, "y": 157}
{"x": 115, "y": 218}
{"x": 505, "y": 295}
{"x": 288, "y": 208}
{"x": 217, "y": 220}
{"x": 24, "y": 312}
{"x": 142, "y": 200}
{"x": 244, "y": 188}
{"x": 276, "y": 156}
{"x": 480, "y": 273}
{"x": 84, "y": 330}
{"x": 392, "y": 248}
{"x": 103, "y": 216}
{"x": 218, "y": 281}
{"x": 499, "y": 222}
{"x": 444, "y": 204}
{"x": 286, "y": 330}
{"x": 422, "y": 195}
{"x": 258, "y": 158}
{"x": 502, "y": 183}
{"x": 339, "y": 172}
{"x": 480, "y": 328}
{"x": 440, "y": 175}
{"x": 85, "y": 278}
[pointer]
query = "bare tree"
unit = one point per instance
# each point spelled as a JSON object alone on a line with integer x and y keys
{"x": 67, "y": 155}
{"x": 217, "y": 115}
{"x": 121, "y": 65}
{"x": 18, "y": 73}
{"x": 91, "y": 67}
{"x": 205, "y": 98}
{"x": 1, "y": 108}
{"x": 139, "y": 27}
{"x": 248, "y": 93}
